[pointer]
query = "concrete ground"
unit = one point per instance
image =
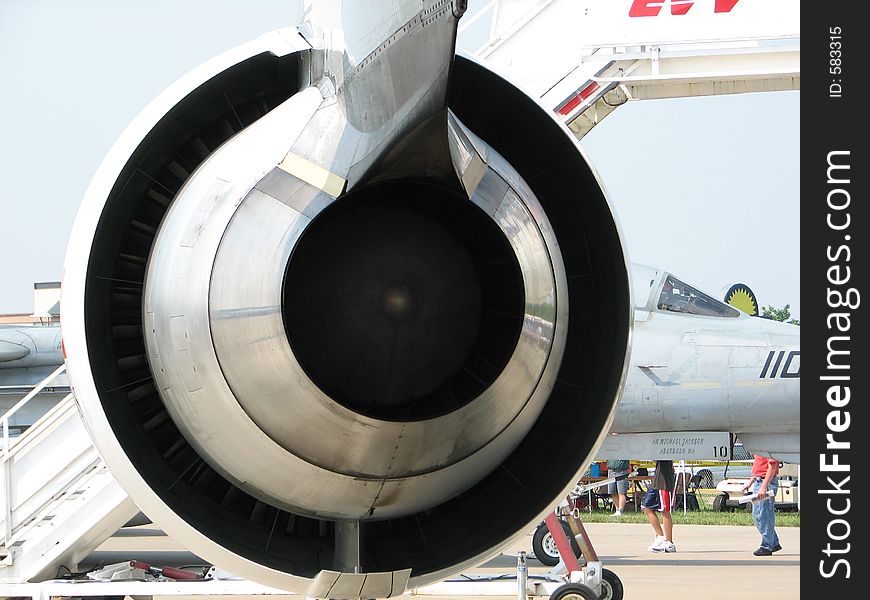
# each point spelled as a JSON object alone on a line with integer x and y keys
{"x": 711, "y": 562}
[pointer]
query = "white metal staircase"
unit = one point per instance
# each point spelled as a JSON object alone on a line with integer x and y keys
{"x": 585, "y": 58}
{"x": 59, "y": 500}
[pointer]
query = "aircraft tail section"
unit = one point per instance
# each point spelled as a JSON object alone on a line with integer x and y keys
{"x": 742, "y": 298}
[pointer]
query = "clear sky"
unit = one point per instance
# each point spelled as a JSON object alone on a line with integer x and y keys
{"x": 707, "y": 188}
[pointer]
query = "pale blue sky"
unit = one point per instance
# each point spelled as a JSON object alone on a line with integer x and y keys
{"x": 705, "y": 187}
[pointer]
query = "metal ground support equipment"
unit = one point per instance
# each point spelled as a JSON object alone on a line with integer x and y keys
{"x": 58, "y": 501}
{"x": 543, "y": 544}
{"x": 590, "y": 580}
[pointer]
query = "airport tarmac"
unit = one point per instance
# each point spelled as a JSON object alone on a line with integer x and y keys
{"x": 711, "y": 562}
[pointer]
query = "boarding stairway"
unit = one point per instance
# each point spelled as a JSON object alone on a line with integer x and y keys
{"x": 585, "y": 58}
{"x": 608, "y": 77}
{"x": 59, "y": 501}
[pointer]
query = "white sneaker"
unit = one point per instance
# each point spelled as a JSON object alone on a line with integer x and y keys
{"x": 658, "y": 541}
{"x": 665, "y": 546}
{"x": 618, "y": 513}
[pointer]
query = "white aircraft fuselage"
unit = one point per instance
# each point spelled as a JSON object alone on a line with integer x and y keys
{"x": 28, "y": 353}
{"x": 697, "y": 364}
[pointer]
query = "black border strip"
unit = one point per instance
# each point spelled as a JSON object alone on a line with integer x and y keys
{"x": 835, "y": 228}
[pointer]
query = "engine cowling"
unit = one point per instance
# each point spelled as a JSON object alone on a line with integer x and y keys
{"x": 372, "y": 389}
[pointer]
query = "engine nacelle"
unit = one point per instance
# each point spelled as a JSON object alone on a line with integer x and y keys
{"x": 344, "y": 393}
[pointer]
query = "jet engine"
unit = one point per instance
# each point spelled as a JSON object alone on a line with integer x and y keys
{"x": 352, "y": 375}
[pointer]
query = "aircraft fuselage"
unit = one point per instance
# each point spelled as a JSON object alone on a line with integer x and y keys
{"x": 710, "y": 372}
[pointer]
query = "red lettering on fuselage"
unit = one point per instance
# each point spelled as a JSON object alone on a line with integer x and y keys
{"x": 645, "y": 8}
{"x": 681, "y": 8}
{"x": 652, "y": 8}
{"x": 724, "y": 5}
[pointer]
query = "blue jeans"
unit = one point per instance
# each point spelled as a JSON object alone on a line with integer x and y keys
{"x": 763, "y": 514}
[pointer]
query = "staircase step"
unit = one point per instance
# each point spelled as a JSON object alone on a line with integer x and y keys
{"x": 63, "y": 500}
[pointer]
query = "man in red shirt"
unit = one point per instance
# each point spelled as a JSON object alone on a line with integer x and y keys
{"x": 764, "y": 479}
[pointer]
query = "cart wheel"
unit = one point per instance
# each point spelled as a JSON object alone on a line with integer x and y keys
{"x": 573, "y": 591}
{"x": 720, "y": 503}
{"x": 611, "y": 586}
{"x": 544, "y": 546}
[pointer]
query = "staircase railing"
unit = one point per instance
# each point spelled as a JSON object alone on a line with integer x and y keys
{"x": 7, "y": 444}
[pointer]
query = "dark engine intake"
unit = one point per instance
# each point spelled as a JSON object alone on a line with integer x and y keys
{"x": 395, "y": 382}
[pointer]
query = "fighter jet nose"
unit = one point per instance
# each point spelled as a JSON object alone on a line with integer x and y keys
{"x": 10, "y": 351}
